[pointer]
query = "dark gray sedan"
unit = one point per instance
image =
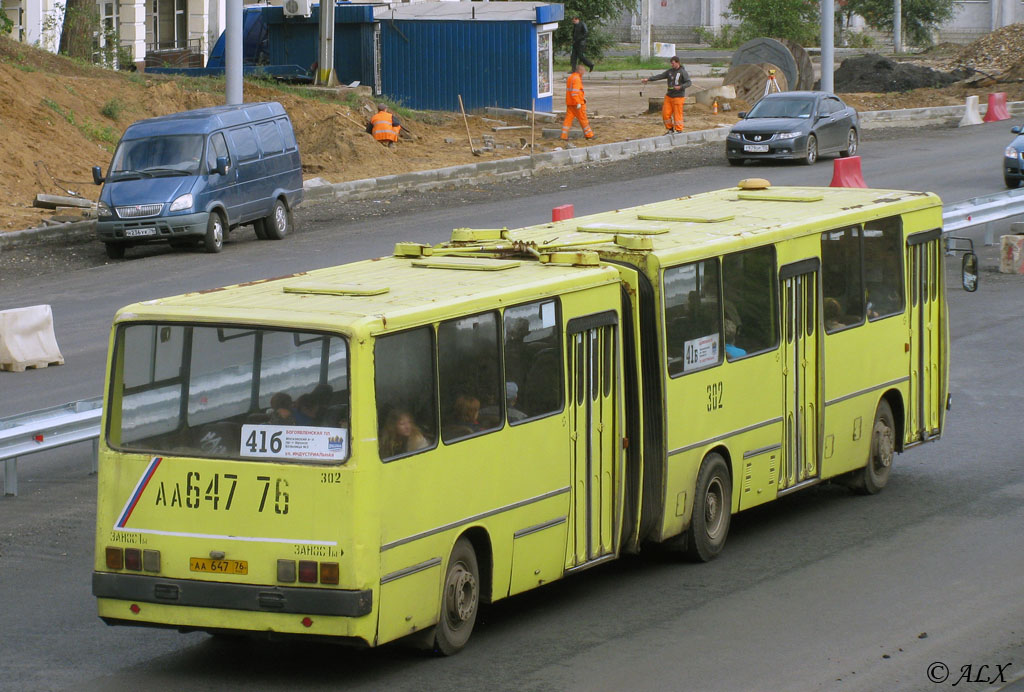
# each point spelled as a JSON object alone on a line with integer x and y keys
{"x": 797, "y": 125}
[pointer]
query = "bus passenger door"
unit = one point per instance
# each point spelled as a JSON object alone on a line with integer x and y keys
{"x": 800, "y": 367}
{"x": 592, "y": 405}
{"x": 926, "y": 375}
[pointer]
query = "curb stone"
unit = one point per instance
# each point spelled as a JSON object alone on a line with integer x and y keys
{"x": 517, "y": 167}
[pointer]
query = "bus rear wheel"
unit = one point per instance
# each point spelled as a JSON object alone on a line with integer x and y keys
{"x": 873, "y": 477}
{"x": 712, "y": 509}
{"x": 460, "y": 600}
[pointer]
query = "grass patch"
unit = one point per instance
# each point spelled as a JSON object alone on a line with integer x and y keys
{"x": 112, "y": 109}
{"x": 104, "y": 134}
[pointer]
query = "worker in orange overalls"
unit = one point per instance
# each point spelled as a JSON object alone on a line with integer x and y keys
{"x": 672, "y": 106}
{"x": 576, "y": 104}
{"x": 384, "y": 126}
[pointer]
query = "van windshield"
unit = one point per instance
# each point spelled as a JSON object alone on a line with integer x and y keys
{"x": 157, "y": 156}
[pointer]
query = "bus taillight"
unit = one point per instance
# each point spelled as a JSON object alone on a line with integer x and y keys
{"x": 307, "y": 571}
{"x": 133, "y": 559}
{"x": 329, "y": 572}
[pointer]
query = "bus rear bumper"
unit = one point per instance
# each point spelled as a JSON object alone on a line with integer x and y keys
{"x": 250, "y": 597}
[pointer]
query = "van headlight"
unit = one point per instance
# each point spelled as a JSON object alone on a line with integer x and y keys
{"x": 103, "y": 209}
{"x": 182, "y": 203}
{"x": 1010, "y": 153}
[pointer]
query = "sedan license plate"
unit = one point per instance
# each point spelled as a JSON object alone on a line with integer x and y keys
{"x": 202, "y": 564}
{"x": 136, "y": 232}
{"x": 756, "y": 148}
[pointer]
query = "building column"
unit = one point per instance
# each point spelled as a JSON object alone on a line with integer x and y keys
{"x": 133, "y": 29}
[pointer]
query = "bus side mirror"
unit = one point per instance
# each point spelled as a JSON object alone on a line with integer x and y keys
{"x": 222, "y": 165}
{"x": 97, "y": 175}
{"x": 969, "y": 272}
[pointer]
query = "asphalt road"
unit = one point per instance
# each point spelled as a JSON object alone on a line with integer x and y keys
{"x": 819, "y": 591}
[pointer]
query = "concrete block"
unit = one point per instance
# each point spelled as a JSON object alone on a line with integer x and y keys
{"x": 1011, "y": 254}
{"x": 27, "y": 339}
{"x": 722, "y": 93}
{"x": 971, "y": 114}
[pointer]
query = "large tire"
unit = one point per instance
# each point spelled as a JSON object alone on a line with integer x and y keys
{"x": 875, "y": 474}
{"x": 460, "y": 600}
{"x": 852, "y": 142}
{"x": 712, "y": 510}
{"x": 115, "y": 250}
{"x": 812, "y": 151}
{"x": 279, "y": 223}
{"x": 214, "y": 239}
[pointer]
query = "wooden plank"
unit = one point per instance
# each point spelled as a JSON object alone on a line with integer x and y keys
{"x": 53, "y": 201}
{"x": 510, "y": 127}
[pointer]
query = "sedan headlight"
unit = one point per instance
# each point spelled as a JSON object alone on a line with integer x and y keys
{"x": 788, "y": 135}
{"x": 734, "y": 135}
{"x": 182, "y": 203}
{"x": 103, "y": 209}
{"x": 1011, "y": 153}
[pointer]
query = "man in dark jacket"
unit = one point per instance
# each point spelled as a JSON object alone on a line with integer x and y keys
{"x": 672, "y": 107}
{"x": 579, "y": 44}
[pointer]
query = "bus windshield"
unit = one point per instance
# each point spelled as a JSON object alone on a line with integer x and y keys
{"x": 230, "y": 392}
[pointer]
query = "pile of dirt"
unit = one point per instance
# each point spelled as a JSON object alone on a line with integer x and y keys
{"x": 874, "y": 73}
{"x": 993, "y": 53}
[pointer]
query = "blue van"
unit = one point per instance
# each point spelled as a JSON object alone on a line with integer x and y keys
{"x": 189, "y": 178}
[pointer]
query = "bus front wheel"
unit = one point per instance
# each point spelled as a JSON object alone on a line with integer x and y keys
{"x": 875, "y": 474}
{"x": 460, "y": 600}
{"x": 712, "y": 509}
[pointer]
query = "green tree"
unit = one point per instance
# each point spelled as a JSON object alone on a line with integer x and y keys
{"x": 920, "y": 17}
{"x": 6, "y": 24}
{"x": 596, "y": 13}
{"x": 797, "y": 20}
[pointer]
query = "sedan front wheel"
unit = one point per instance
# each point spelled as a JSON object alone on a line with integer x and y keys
{"x": 812, "y": 151}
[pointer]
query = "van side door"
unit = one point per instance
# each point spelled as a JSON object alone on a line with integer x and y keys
{"x": 273, "y": 163}
{"x": 246, "y": 153}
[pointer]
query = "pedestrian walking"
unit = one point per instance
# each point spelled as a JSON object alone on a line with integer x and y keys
{"x": 576, "y": 104}
{"x": 579, "y": 44}
{"x": 672, "y": 107}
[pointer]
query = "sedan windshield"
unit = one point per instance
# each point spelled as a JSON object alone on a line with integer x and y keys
{"x": 782, "y": 108}
{"x": 157, "y": 156}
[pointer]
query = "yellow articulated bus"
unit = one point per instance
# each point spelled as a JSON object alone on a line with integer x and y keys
{"x": 370, "y": 451}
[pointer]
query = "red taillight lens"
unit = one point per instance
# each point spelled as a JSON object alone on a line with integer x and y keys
{"x": 133, "y": 559}
{"x": 307, "y": 571}
{"x": 328, "y": 572}
{"x": 115, "y": 558}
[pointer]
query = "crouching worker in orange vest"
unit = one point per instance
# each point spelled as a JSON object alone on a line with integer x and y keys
{"x": 384, "y": 126}
{"x": 576, "y": 104}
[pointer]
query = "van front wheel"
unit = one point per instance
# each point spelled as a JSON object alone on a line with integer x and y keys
{"x": 214, "y": 239}
{"x": 279, "y": 223}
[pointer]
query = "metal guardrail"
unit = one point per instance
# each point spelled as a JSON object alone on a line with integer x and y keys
{"x": 982, "y": 210}
{"x": 48, "y": 428}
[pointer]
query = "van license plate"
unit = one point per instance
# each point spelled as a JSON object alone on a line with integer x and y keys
{"x": 202, "y": 564}
{"x": 756, "y": 148}
{"x": 136, "y": 232}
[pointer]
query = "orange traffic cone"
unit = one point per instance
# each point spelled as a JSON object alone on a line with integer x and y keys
{"x": 714, "y": 107}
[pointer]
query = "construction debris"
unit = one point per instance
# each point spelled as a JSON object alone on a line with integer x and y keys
{"x": 873, "y": 72}
{"x": 53, "y": 201}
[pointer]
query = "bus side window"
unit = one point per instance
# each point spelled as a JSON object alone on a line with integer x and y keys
{"x": 406, "y": 393}
{"x": 751, "y": 302}
{"x": 533, "y": 357}
{"x": 469, "y": 368}
{"x": 843, "y": 304}
{"x": 883, "y": 267}
{"x": 693, "y": 317}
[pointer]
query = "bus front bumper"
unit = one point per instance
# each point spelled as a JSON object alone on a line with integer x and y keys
{"x": 251, "y": 597}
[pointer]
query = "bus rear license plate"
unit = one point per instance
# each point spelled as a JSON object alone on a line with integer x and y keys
{"x": 203, "y": 564}
{"x": 136, "y": 232}
{"x": 756, "y": 148}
